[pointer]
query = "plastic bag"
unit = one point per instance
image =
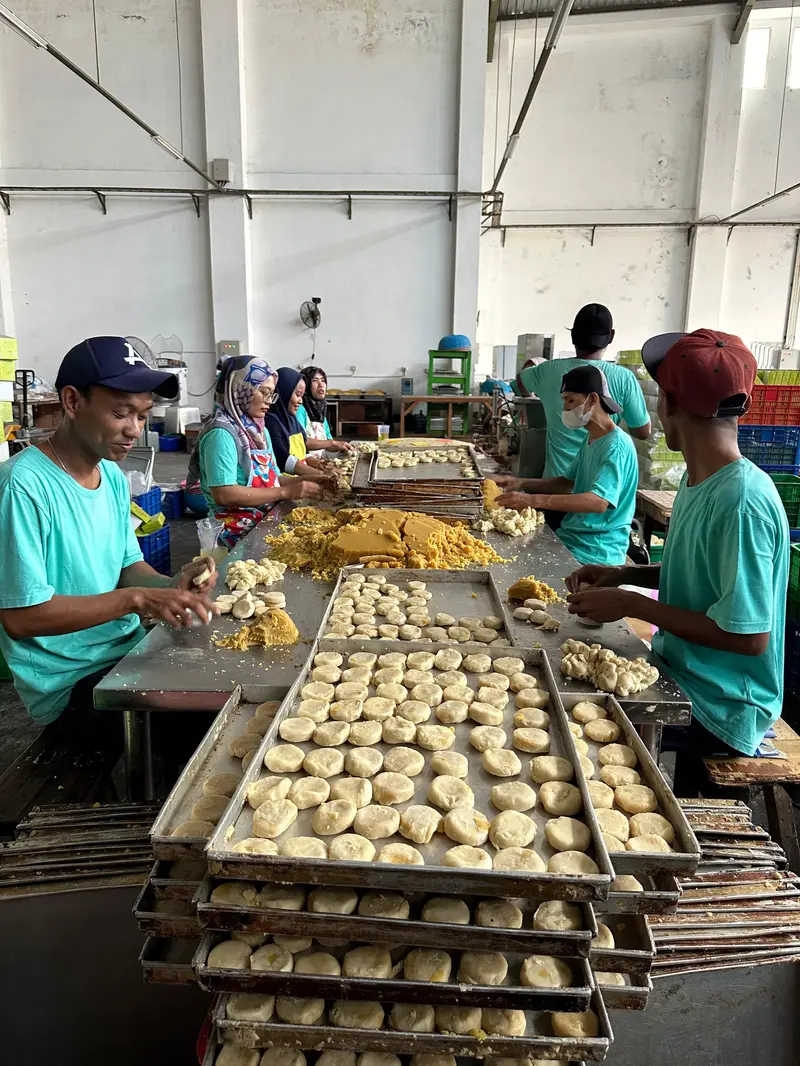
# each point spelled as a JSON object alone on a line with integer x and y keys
{"x": 137, "y": 482}
{"x": 208, "y": 531}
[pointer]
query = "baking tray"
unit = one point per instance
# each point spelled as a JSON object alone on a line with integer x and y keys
{"x": 634, "y": 949}
{"x": 236, "y": 823}
{"x": 538, "y": 1043}
{"x": 661, "y": 896}
{"x": 149, "y": 920}
{"x": 685, "y": 858}
{"x": 563, "y": 944}
{"x": 211, "y": 757}
{"x": 425, "y": 472}
{"x": 455, "y": 592}
{"x": 396, "y": 989}
{"x": 165, "y": 961}
{"x": 166, "y": 887}
{"x": 633, "y": 995}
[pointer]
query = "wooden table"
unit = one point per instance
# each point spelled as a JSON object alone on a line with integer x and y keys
{"x": 656, "y": 507}
{"x": 408, "y": 403}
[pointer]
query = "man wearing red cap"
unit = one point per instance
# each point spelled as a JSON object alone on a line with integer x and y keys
{"x": 722, "y": 584}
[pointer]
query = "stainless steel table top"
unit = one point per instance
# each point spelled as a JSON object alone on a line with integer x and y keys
{"x": 183, "y": 670}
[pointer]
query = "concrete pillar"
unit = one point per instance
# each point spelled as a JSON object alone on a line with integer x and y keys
{"x": 226, "y": 131}
{"x": 7, "y": 328}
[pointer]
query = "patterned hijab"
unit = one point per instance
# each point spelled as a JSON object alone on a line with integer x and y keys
{"x": 317, "y": 409}
{"x": 236, "y": 385}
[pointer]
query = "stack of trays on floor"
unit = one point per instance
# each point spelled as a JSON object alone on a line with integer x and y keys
{"x": 384, "y": 880}
{"x": 740, "y": 907}
{"x": 443, "y": 481}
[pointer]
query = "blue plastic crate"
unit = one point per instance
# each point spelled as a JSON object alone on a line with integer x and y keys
{"x": 150, "y": 502}
{"x": 771, "y": 447}
{"x": 172, "y": 503}
{"x": 155, "y": 549}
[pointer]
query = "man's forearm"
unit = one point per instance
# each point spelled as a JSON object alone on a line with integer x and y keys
{"x": 67, "y": 614}
{"x": 576, "y": 503}
{"x": 142, "y": 575}
{"x": 697, "y": 628}
{"x": 646, "y": 577}
{"x": 545, "y": 484}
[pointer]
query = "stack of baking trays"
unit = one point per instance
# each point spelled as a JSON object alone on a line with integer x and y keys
{"x": 443, "y": 481}
{"x": 740, "y": 907}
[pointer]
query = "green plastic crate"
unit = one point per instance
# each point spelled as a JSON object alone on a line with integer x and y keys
{"x": 631, "y": 357}
{"x": 779, "y": 377}
{"x": 788, "y": 486}
{"x": 793, "y": 599}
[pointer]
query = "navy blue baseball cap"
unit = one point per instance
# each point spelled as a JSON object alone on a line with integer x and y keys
{"x": 114, "y": 363}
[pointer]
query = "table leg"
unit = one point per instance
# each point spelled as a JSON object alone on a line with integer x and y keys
{"x": 450, "y": 421}
{"x": 651, "y": 738}
{"x": 138, "y": 756}
{"x": 403, "y": 413}
{"x": 649, "y": 525}
{"x": 782, "y": 826}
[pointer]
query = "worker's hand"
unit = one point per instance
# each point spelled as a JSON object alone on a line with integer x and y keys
{"x": 302, "y": 489}
{"x": 593, "y": 576}
{"x": 604, "y": 605}
{"x": 517, "y": 501}
{"x": 317, "y": 464}
{"x": 196, "y": 568}
{"x": 340, "y": 446}
{"x": 506, "y": 481}
{"x": 174, "y": 606}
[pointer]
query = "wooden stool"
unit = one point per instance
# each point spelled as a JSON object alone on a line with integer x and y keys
{"x": 770, "y": 775}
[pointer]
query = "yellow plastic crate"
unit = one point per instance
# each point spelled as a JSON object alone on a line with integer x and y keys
{"x": 8, "y": 348}
{"x": 773, "y": 377}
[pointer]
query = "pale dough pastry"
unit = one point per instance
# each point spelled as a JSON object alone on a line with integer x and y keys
{"x": 282, "y": 897}
{"x": 465, "y": 825}
{"x": 255, "y": 846}
{"x": 651, "y": 824}
{"x": 513, "y": 796}
{"x": 500, "y": 762}
{"x": 268, "y": 709}
{"x": 284, "y": 759}
{"x": 531, "y": 697}
{"x": 447, "y": 658}
{"x": 378, "y": 709}
{"x": 520, "y": 682}
{"x": 567, "y": 834}
{"x": 531, "y": 717}
{"x": 328, "y": 658}
{"x": 362, "y": 658}
{"x": 446, "y": 909}
{"x": 485, "y": 713}
{"x": 512, "y": 829}
{"x": 435, "y": 737}
{"x": 460, "y": 634}
{"x": 319, "y": 963}
{"x": 317, "y": 690}
{"x": 417, "y": 677}
{"x": 636, "y": 799}
{"x": 243, "y": 1007}
{"x": 364, "y": 734}
{"x": 384, "y": 905}
{"x": 461, "y": 1021}
{"x": 465, "y": 855}
{"x": 363, "y": 762}
{"x": 437, "y": 634}
{"x": 329, "y": 674}
{"x": 243, "y": 745}
{"x": 391, "y": 658}
{"x": 257, "y": 725}
{"x": 482, "y": 968}
{"x": 608, "y": 978}
{"x": 351, "y": 690}
{"x": 221, "y": 784}
{"x": 617, "y": 755}
{"x": 414, "y": 711}
{"x": 518, "y": 859}
{"x": 452, "y": 677}
{"x": 333, "y": 901}
{"x": 421, "y": 660}
{"x": 600, "y": 794}
{"x": 427, "y": 964}
{"x": 581, "y": 746}
{"x": 398, "y": 730}
{"x": 587, "y": 766}
{"x": 612, "y": 843}
{"x": 371, "y": 961}
{"x": 602, "y": 730}
{"x": 495, "y": 697}
{"x": 296, "y": 730}
{"x": 210, "y": 808}
{"x": 331, "y": 734}
{"x": 333, "y": 817}
{"x": 400, "y": 855}
{"x": 360, "y": 674}
{"x": 498, "y": 914}
{"x": 604, "y": 937}
{"x": 477, "y": 664}
{"x": 545, "y": 971}
{"x": 309, "y": 792}
{"x": 392, "y": 788}
{"x": 558, "y": 797}
{"x": 586, "y": 711}
{"x": 351, "y": 847}
{"x": 307, "y": 847}
{"x": 551, "y": 768}
{"x": 374, "y": 1058}
{"x": 572, "y": 863}
{"x": 575, "y": 729}
{"x": 614, "y": 823}
{"x": 614, "y": 776}
{"x": 356, "y": 1014}
{"x": 316, "y": 710}
{"x": 248, "y": 758}
{"x": 388, "y": 675}
{"x": 356, "y": 789}
{"x": 450, "y": 763}
{"x": 444, "y": 620}
{"x": 324, "y": 762}
{"x": 508, "y": 665}
{"x": 575, "y": 1025}
{"x": 460, "y": 693}
{"x": 346, "y": 710}
{"x": 236, "y": 893}
{"x": 483, "y": 737}
{"x": 649, "y": 842}
{"x": 449, "y": 792}
{"x": 492, "y": 680}
{"x": 504, "y": 1022}
{"x": 412, "y": 1018}
{"x": 557, "y": 915}
{"x": 626, "y": 883}
{"x": 450, "y": 712}
{"x": 392, "y": 691}
{"x": 530, "y": 739}
{"x": 273, "y": 817}
{"x": 272, "y": 957}
{"x": 229, "y": 955}
{"x": 427, "y": 693}
{"x": 375, "y": 822}
{"x": 410, "y": 632}
{"x": 407, "y": 761}
{"x": 388, "y": 631}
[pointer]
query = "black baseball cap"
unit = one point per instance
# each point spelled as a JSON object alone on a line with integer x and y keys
{"x": 114, "y": 363}
{"x": 592, "y": 327}
{"x": 586, "y": 379}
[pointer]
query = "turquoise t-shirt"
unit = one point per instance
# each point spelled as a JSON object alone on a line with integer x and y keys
{"x": 61, "y": 539}
{"x": 314, "y": 430}
{"x": 219, "y": 463}
{"x": 608, "y": 468}
{"x": 563, "y": 444}
{"x": 727, "y": 555}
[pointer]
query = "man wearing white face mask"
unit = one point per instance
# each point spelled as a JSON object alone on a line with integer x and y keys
{"x": 598, "y": 492}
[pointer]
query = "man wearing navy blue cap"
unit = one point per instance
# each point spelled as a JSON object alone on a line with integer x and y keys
{"x": 75, "y": 584}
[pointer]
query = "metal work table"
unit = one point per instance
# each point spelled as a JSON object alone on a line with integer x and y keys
{"x": 172, "y": 670}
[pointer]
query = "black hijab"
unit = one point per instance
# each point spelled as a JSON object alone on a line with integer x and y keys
{"x": 317, "y": 409}
{"x": 281, "y": 424}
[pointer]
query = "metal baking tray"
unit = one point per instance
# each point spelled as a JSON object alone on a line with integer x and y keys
{"x": 661, "y": 896}
{"x": 211, "y": 757}
{"x": 538, "y": 1043}
{"x": 511, "y": 995}
{"x": 236, "y": 823}
{"x": 685, "y": 858}
{"x": 154, "y": 922}
{"x": 634, "y": 949}
{"x": 166, "y": 887}
{"x": 633, "y": 995}
{"x": 425, "y": 472}
{"x": 165, "y": 961}
{"x": 458, "y": 593}
{"x": 413, "y": 930}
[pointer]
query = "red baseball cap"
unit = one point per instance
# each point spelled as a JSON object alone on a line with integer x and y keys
{"x": 707, "y": 373}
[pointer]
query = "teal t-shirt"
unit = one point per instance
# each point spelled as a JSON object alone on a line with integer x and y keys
{"x": 219, "y": 463}
{"x": 61, "y": 539}
{"x": 608, "y": 468}
{"x": 314, "y": 430}
{"x": 727, "y": 555}
{"x": 563, "y": 444}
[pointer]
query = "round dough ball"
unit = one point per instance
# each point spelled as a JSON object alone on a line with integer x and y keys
{"x": 551, "y": 768}
{"x": 388, "y": 675}
{"x": 375, "y": 822}
{"x": 508, "y": 665}
{"x": 331, "y": 734}
{"x": 406, "y": 761}
{"x": 332, "y": 901}
{"x": 356, "y": 789}
{"x": 315, "y": 710}
{"x": 356, "y": 1014}
{"x": 602, "y": 730}
{"x": 517, "y": 859}
{"x": 600, "y": 794}
{"x": 512, "y": 829}
{"x": 531, "y": 697}
{"x": 362, "y": 675}
{"x": 558, "y": 797}
{"x": 604, "y": 937}
{"x": 465, "y": 825}
{"x": 392, "y": 788}
{"x": 281, "y": 1056}
{"x": 378, "y": 709}
{"x": 363, "y": 762}
{"x": 483, "y": 737}
{"x": 351, "y": 847}
{"x": 477, "y": 664}
{"x": 254, "y": 846}
{"x": 419, "y": 823}
{"x": 417, "y": 677}
{"x": 408, "y": 632}
{"x": 567, "y": 834}
{"x": 650, "y": 843}
{"x": 635, "y": 799}
{"x": 414, "y": 711}
{"x": 272, "y": 788}
{"x": 486, "y": 714}
{"x": 351, "y": 690}
{"x": 557, "y": 915}
{"x": 626, "y": 883}
{"x": 608, "y": 978}
{"x": 450, "y": 763}
{"x": 572, "y": 863}
{"x": 437, "y": 635}
{"x": 319, "y": 963}
{"x": 448, "y": 910}
{"x": 391, "y": 658}
{"x": 388, "y": 631}
{"x": 318, "y": 690}
{"x": 391, "y": 691}
{"x": 513, "y": 796}
{"x": 460, "y": 634}
{"x": 449, "y": 792}
{"x": 324, "y": 762}
{"x": 575, "y": 1025}
{"x": 447, "y": 658}
{"x": 427, "y": 964}
{"x": 412, "y": 1018}
{"x": 435, "y": 737}
{"x": 614, "y": 776}
{"x": 221, "y": 784}
{"x": 498, "y": 914}
{"x": 210, "y": 808}
{"x": 273, "y": 958}
{"x": 464, "y": 855}
{"x": 421, "y": 660}
{"x": 544, "y": 971}
{"x": 237, "y": 893}
{"x": 273, "y": 818}
{"x": 581, "y": 746}
{"x": 284, "y": 759}
{"x": 400, "y": 855}
{"x": 329, "y": 674}
{"x": 242, "y": 1007}
{"x": 521, "y": 681}
{"x": 459, "y": 694}
{"x": 587, "y": 766}
{"x": 586, "y": 711}
{"x": 229, "y": 955}
{"x": 193, "y": 827}
{"x": 309, "y": 792}
{"x": 307, "y": 847}
{"x": 444, "y": 620}
{"x": 617, "y": 755}
{"x": 384, "y": 905}
{"x": 328, "y": 658}
{"x": 371, "y": 961}
{"x": 461, "y": 1021}
{"x": 614, "y": 823}
{"x": 492, "y": 680}
{"x": 650, "y": 824}
{"x": 296, "y": 730}
{"x": 500, "y": 762}
{"x": 398, "y": 730}
{"x": 482, "y": 968}
{"x": 364, "y": 734}
{"x": 450, "y": 712}
{"x": 282, "y": 897}
{"x": 428, "y": 693}
{"x": 333, "y": 817}
{"x": 452, "y": 677}
{"x": 531, "y": 717}
{"x": 529, "y": 739}
{"x": 494, "y": 697}
{"x": 503, "y": 1022}
{"x": 268, "y": 709}
{"x": 612, "y": 843}
{"x": 346, "y": 710}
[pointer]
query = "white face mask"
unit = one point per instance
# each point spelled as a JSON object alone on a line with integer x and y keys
{"x": 576, "y": 418}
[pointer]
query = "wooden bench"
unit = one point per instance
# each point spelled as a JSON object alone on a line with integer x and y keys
{"x": 770, "y": 775}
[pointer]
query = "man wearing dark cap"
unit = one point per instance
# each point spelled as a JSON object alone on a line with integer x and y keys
{"x": 597, "y": 495}
{"x": 722, "y": 583}
{"x": 75, "y": 584}
{"x": 592, "y": 332}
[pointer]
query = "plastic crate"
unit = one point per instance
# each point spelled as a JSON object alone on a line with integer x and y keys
{"x": 172, "y": 503}
{"x": 788, "y": 486}
{"x": 155, "y": 549}
{"x": 793, "y": 594}
{"x": 631, "y": 357}
{"x": 773, "y": 405}
{"x": 171, "y": 442}
{"x": 770, "y": 446}
{"x": 150, "y": 502}
{"x": 779, "y": 377}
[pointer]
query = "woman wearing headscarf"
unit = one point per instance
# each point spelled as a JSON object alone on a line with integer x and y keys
{"x": 313, "y": 412}
{"x": 288, "y": 435}
{"x": 233, "y": 462}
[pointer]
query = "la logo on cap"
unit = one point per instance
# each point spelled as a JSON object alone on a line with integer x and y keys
{"x": 133, "y": 357}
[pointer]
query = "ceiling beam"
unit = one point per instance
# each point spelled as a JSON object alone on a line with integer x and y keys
{"x": 742, "y": 21}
